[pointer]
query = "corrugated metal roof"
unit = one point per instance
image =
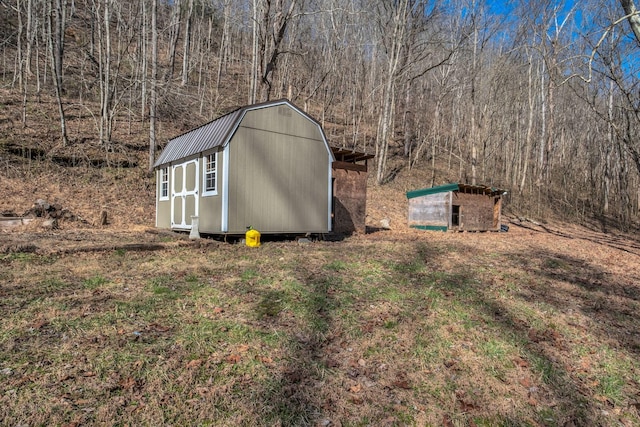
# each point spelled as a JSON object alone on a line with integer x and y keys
{"x": 433, "y": 190}
{"x": 200, "y": 139}
{"x": 465, "y": 188}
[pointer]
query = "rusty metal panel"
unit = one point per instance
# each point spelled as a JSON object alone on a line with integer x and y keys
{"x": 429, "y": 210}
{"x": 350, "y": 201}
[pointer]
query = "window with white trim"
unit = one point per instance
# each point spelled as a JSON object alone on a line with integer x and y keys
{"x": 164, "y": 184}
{"x": 210, "y": 174}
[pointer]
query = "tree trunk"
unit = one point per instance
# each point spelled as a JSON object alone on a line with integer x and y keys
{"x": 388, "y": 100}
{"x": 543, "y": 127}
{"x": 473, "y": 131}
{"x": 19, "y": 75}
{"x": 255, "y": 41}
{"x": 154, "y": 83}
{"x": 187, "y": 44}
{"x": 529, "y": 131}
{"x": 174, "y": 35}
{"x": 144, "y": 41}
{"x": 223, "y": 53}
{"x": 105, "y": 62}
{"x": 56, "y": 27}
{"x": 632, "y": 16}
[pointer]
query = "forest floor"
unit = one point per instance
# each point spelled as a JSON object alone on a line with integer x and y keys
{"x": 126, "y": 324}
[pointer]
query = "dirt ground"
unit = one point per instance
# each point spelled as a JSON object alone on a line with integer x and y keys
{"x": 616, "y": 252}
{"x": 131, "y": 225}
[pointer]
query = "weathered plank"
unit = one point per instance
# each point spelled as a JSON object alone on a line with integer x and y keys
{"x": 7, "y": 223}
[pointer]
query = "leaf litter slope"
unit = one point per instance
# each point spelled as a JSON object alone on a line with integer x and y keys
{"x": 536, "y": 326}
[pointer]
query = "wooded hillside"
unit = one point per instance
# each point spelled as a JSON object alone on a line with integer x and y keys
{"x": 539, "y": 97}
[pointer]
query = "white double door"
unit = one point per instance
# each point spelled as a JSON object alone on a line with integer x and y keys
{"x": 184, "y": 194}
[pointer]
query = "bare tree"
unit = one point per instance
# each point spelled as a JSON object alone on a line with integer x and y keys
{"x": 270, "y": 22}
{"x": 396, "y": 18}
{"x": 633, "y": 17}
{"x": 413, "y": 47}
{"x": 57, "y": 18}
{"x": 225, "y": 40}
{"x": 187, "y": 43}
{"x": 153, "y": 109}
{"x": 174, "y": 36}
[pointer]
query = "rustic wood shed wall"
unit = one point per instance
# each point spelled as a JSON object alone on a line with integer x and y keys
{"x": 350, "y": 177}
{"x": 476, "y": 212}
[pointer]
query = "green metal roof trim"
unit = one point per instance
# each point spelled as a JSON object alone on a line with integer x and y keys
{"x": 431, "y": 227}
{"x": 465, "y": 188}
{"x": 433, "y": 190}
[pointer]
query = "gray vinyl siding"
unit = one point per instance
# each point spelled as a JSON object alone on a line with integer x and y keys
{"x": 163, "y": 209}
{"x": 278, "y": 176}
{"x": 210, "y": 218}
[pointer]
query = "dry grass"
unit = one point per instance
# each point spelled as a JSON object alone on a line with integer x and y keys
{"x": 528, "y": 327}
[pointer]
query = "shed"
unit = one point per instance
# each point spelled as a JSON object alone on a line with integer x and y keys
{"x": 350, "y": 174}
{"x": 455, "y": 206}
{"x": 265, "y": 165}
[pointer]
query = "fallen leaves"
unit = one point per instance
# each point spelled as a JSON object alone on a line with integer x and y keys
{"x": 127, "y": 383}
{"x": 39, "y": 323}
{"x": 195, "y": 363}
{"x": 156, "y": 327}
{"x": 525, "y": 382}
{"x": 233, "y": 358}
{"x": 236, "y": 356}
{"x": 402, "y": 383}
{"x": 357, "y": 388}
{"x": 203, "y": 391}
{"x": 465, "y": 401}
{"x": 264, "y": 359}
{"x": 521, "y": 363}
{"x": 450, "y": 363}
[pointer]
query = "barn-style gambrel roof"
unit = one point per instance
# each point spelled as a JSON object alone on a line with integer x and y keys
{"x": 213, "y": 134}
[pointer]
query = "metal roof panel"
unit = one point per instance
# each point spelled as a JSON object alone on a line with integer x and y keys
{"x": 433, "y": 190}
{"x": 465, "y": 188}
{"x": 203, "y": 138}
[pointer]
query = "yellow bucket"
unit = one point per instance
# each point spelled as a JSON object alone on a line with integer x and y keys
{"x": 252, "y": 238}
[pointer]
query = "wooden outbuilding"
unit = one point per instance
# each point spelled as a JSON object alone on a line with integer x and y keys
{"x": 266, "y": 165}
{"x": 350, "y": 175}
{"x": 455, "y": 206}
